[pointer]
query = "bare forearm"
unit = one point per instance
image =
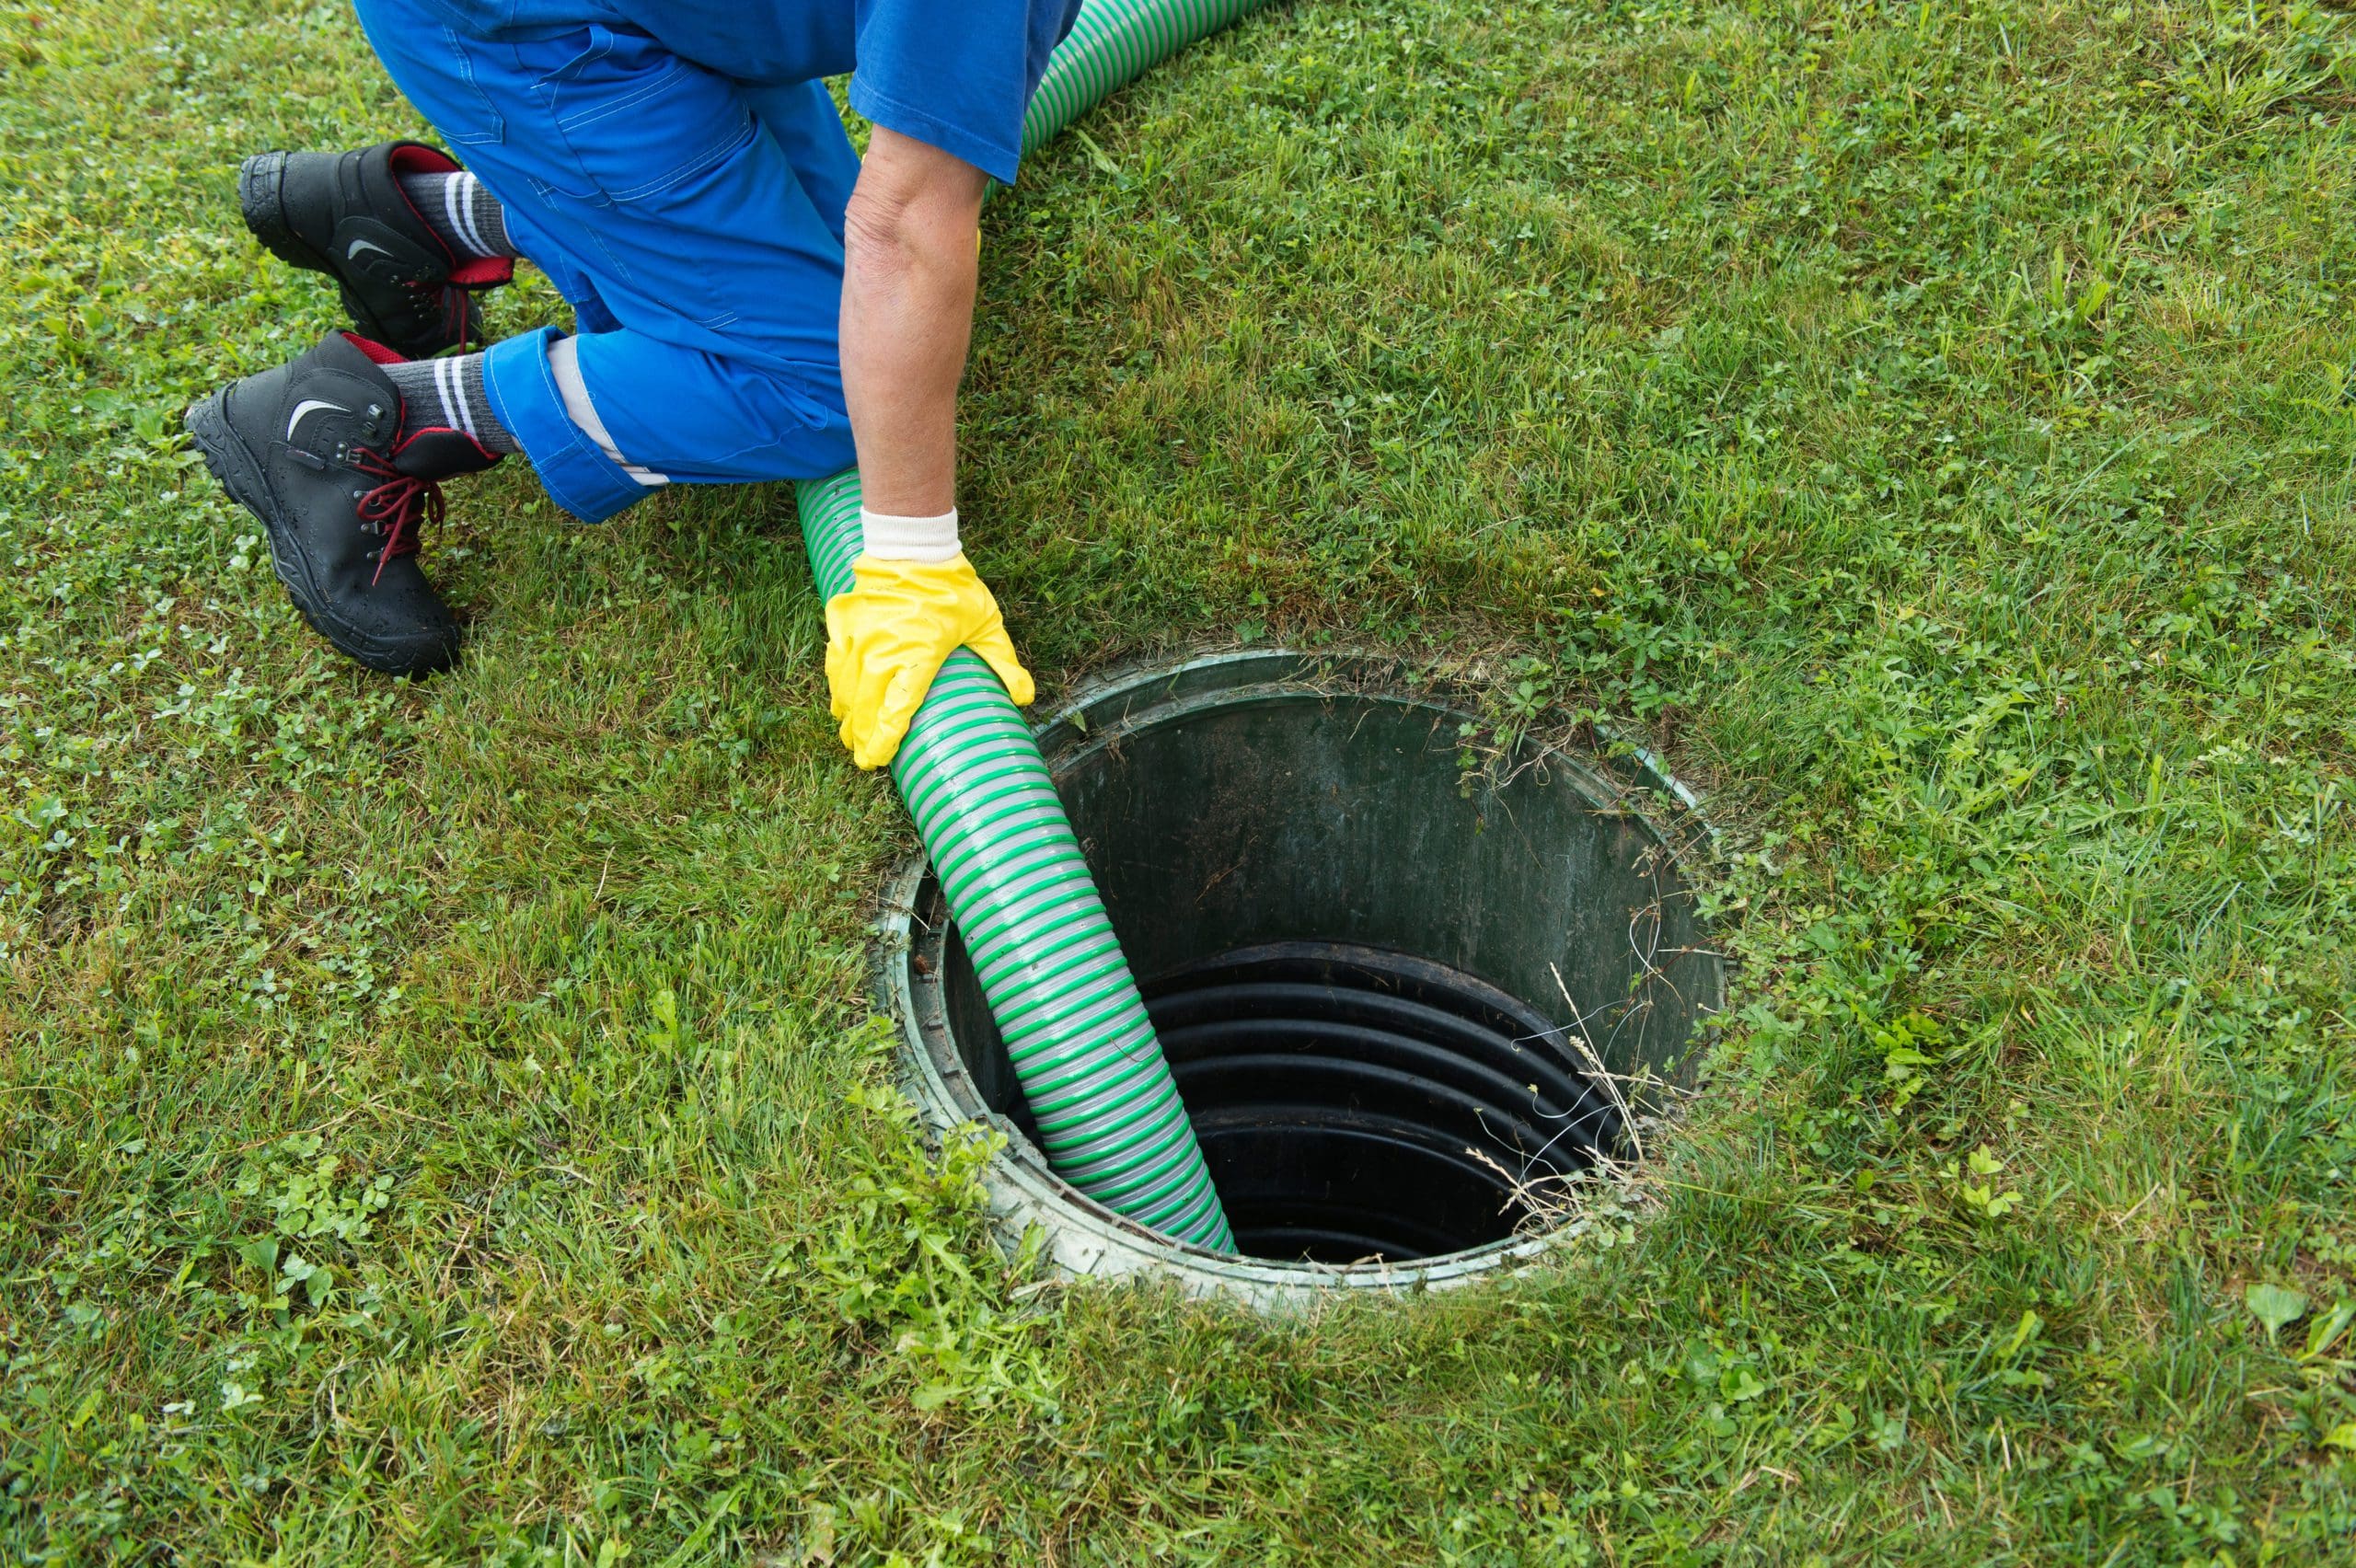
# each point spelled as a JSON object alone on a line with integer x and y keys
{"x": 908, "y": 314}
{"x": 909, "y": 270}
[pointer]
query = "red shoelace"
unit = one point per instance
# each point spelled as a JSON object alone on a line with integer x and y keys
{"x": 399, "y": 507}
{"x": 453, "y": 314}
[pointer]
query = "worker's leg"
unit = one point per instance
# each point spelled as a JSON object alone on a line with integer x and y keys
{"x": 695, "y": 223}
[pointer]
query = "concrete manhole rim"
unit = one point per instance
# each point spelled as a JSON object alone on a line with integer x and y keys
{"x": 1084, "y": 1237}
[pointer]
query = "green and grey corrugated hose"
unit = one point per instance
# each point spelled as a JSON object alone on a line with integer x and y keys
{"x": 1076, "y": 1030}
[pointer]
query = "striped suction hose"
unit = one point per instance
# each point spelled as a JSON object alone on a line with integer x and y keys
{"x": 1076, "y": 1030}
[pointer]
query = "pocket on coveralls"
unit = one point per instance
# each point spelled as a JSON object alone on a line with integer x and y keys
{"x": 467, "y": 116}
{"x": 637, "y": 118}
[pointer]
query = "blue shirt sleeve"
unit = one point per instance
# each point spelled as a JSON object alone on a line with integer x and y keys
{"x": 957, "y": 74}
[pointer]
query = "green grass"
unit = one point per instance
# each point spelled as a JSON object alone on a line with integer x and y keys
{"x": 443, "y": 1125}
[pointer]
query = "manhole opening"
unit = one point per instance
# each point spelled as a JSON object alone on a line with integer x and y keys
{"x": 1403, "y": 1004}
{"x": 1359, "y": 1105}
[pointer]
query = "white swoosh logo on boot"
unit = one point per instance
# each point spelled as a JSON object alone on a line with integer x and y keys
{"x": 351, "y": 252}
{"x": 311, "y": 406}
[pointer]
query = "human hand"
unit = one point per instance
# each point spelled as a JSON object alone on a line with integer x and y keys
{"x": 887, "y": 636}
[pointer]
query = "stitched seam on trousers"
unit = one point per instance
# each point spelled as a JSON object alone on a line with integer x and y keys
{"x": 713, "y": 156}
{"x": 736, "y": 137}
{"x": 658, "y": 82}
{"x": 496, "y": 131}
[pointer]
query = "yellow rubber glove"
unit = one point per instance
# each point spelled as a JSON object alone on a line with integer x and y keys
{"x": 886, "y": 639}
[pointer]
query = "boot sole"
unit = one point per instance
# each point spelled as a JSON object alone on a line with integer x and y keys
{"x": 233, "y": 464}
{"x": 261, "y": 181}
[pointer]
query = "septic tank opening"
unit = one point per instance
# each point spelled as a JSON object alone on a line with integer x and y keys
{"x": 1397, "y": 996}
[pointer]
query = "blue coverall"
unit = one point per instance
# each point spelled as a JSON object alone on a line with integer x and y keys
{"x": 680, "y": 173}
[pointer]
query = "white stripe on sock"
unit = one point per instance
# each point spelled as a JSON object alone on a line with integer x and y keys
{"x": 458, "y": 392}
{"x": 458, "y": 397}
{"x": 454, "y": 210}
{"x": 464, "y": 186}
{"x": 451, "y": 382}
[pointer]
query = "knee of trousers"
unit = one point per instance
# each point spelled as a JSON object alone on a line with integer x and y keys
{"x": 691, "y": 417}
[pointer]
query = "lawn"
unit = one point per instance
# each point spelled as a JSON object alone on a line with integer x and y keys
{"x": 447, "y": 1124}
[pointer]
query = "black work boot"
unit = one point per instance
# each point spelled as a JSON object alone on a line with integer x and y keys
{"x": 322, "y": 451}
{"x": 345, "y": 214}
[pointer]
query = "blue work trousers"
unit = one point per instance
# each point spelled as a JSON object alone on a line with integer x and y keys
{"x": 693, "y": 217}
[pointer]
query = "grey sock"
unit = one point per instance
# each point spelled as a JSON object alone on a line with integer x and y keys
{"x": 464, "y": 213}
{"x": 450, "y": 392}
